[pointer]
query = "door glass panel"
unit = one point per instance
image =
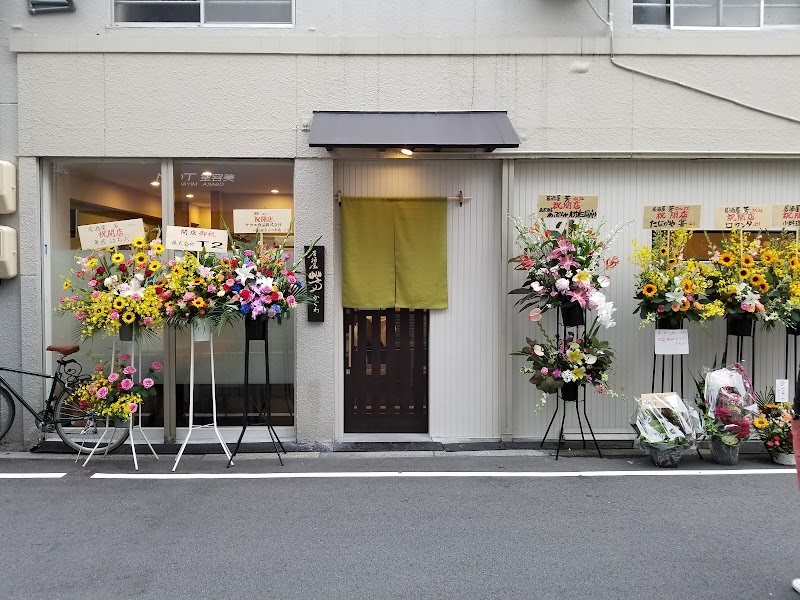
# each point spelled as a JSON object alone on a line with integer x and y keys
{"x": 84, "y": 192}
{"x": 206, "y": 194}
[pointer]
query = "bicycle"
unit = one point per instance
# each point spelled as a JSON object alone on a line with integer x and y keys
{"x": 78, "y": 428}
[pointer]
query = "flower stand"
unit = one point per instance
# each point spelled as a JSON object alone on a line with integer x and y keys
{"x": 199, "y": 334}
{"x": 256, "y": 330}
{"x": 740, "y": 327}
{"x": 570, "y": 393}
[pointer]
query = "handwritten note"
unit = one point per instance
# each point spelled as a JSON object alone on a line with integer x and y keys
{"x": 315, "y": 281}
{"x": 195, "y": 238}
{"x": 672, "y": 341}
{"x": 267, "y": 220}
{"x": 742, "y": 217}
{"x": 558, "y": 206}
{"x": 667, "y": 216}
{"x": 782, "y": 391}
{"x": 110, "y": 234}
{"x": 786, "y": 216}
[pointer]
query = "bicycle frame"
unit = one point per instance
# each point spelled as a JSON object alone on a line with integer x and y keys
{"x": 66, "y": 375}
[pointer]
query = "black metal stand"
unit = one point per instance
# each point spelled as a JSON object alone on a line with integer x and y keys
{"x": 740, "y": 351}
{"x": 792, "y": 381}
{"x": 561, "y": 403}
{"x": 255, "y": 331}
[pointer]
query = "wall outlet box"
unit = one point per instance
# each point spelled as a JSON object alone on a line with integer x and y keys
{"x": 8, "y": 188}
{"x": 9, "y": 253}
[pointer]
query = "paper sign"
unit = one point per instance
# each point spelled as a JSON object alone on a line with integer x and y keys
{"x": 661, "y": 400}
{"x": 267, "y": 220}
{"x": 195, "y": 238}
{"x": 782, "y": 391}
{"x": 558, "y": 206}
{"x": 742, "y": 217}
{"x": 113, "y": 233}
{"x": 786, "y": 216}
{"x": 672, "y": 341}
{"x": 668, "y": 216}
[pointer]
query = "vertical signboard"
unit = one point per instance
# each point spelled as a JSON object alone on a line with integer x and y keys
{"x": 315, "y": 280}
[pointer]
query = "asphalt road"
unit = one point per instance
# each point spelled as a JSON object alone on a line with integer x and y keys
{"x": 567, "y": 538}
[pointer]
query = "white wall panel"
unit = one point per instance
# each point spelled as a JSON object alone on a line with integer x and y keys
{"x": 624, "y": 188}
{"x": 465, "y": 357}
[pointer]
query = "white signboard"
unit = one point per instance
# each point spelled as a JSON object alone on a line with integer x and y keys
{"x": 782, "y": 391}
{"x": 757, "y": 216}
{"x": 266, "y": 220}
{"x": 566, "y": 206}
{"x": 195, "y": 238}
{"x": 672, "y": 341}
{"x": 110, "y": 234}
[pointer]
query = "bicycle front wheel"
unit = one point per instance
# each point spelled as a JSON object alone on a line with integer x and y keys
{"x": 7, "y": 411}
{"x": 82, "y": 431}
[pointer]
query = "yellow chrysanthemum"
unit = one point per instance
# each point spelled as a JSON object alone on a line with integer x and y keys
{"x": 128, "y": 317}
{"x": 91, "y": 263}
{"x": 117, "y": 258}
{"x": 139, "y": 242}
{"x": 760, "y": 423}
{"x": 747, "y": 260}
{"x": 649, "y": 290}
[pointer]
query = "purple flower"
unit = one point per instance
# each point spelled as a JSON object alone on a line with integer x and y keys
{"x": 126, "y": 384}
{"x": 147, "y": 383}
{"x": 544, "y": 371}
{"x": 556, "y": 373}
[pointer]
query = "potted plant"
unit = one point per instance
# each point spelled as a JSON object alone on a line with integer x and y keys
{"x": 728, "y": 410}
{"x": 563, "y": 267}
{"x": 116, "y": 293}
{"x": 773, "y": 426}
{"x": 666, "y": 427}
{"x": 671, "y": 289}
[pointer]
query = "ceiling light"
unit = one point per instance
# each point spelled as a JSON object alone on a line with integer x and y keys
{"x": 190, "y": 195}
{"x": 274, "y": 191}
{"x": 406, "y": 151}
{"x": 206, "y": 173}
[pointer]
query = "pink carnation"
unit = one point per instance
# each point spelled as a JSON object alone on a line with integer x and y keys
{"x": 92, "y": 282}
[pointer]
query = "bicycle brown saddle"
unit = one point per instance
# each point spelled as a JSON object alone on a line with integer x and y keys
{"x": 64, "y": 350}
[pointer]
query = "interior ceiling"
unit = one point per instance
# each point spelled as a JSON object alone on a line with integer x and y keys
{"x": 249, "y": 176}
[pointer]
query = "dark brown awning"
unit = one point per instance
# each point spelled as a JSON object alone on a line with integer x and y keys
{"x": 434, "y": 130}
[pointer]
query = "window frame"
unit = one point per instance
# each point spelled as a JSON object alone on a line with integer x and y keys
{"x": 670, "y": 24}
{"x": 201, "y": 24}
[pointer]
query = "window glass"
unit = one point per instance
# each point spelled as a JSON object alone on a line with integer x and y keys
{"x": 782, "y": 12}
{"x": 206, "y": 194}
{"x": 267, "y": 12}
{"x": 88, "y": 192}
{"x": 653, "y": 12}
{"x": 248, "y": 11}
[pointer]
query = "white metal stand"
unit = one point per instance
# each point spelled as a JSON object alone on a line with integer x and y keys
{"x": 213, "y": 424}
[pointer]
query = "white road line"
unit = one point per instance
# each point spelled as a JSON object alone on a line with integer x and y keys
{"x": 32, "y": 475}
{"x": 424, "y": 474}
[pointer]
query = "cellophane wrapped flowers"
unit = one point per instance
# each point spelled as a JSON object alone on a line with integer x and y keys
{"x": 664, "y": 420}
{"x": 728, "y": 406}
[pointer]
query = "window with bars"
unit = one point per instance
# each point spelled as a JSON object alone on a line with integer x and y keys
{"x": 716, "y": 13}
{"x": 204, "y": 12}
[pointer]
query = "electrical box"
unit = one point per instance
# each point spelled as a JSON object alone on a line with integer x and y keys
{"x": 9, "y": 255}
{"x": 8, "y": 188}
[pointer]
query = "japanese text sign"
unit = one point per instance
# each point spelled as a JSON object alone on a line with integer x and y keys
{"x": 113, "y": 233}
{"x": 676, "y": 216}
{"x": 315, "y": 282}
{"x": 742, "y": 217}
{"x": 786, "y": 216}
{"x": 195, "y": 238}
{"x": 558, "y": 206}
{"x": 267, "y": 220}
{"x": 672, "y": 341}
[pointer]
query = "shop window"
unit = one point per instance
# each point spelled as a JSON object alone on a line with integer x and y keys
{"x": 716, "y": 13}
{"x": 206, "y": 194}
{"x": 85, "y": 192}
{"x": 204, "y": 12}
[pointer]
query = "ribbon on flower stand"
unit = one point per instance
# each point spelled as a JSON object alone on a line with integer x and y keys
{"x": 213, "y": 424}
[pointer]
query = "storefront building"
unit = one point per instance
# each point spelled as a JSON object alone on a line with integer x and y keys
{"x": 111, "y": 114}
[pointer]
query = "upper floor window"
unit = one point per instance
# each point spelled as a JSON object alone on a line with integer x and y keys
{"x": 716, "y": 13}
{"x": 204, "y": 12}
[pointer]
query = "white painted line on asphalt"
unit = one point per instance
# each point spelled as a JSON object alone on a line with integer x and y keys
{"x": 424, "y": 474}
{"x": 32, "y": 475}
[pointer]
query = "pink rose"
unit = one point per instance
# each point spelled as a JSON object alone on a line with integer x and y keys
{"x": 148, "y": 321}
{"x": 129, "y": 370}
{"x": 113, "y": 315}
{"x": 126, "y": 384}
{"x": 102, "y": 392}
{"x": 113, "y": 377}
{"x": 133, "y": 407}
{"x": 188, "y": 296}
{"x": 544, "y": 371}
{"x": 290, "y": 300}
{"x": 660, "y": 308}
{"x": 169, "y": 310}
{"x": 212, "y": 289}
{"x": 230, "y": 282}
{"x": 156, "y": 366}
{"x": 147, "y": 383}
{"x": 124, "y": 357}
{"x": 92, "y": 282}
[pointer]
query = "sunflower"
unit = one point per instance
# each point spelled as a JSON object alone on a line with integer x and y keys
{"x": 672, "y": 261}
{"x": 139, "y": 243}
{"x": 760, "y": 423}
{"x": 794, "y": 264}
{"x": 685, "y": 305}
{"x": 768, "y": 257}
{"x": 198, "y": 303}
{"x": 118, "y": 303}
{"x": 140, "y": 258}
{"x": 663, "y": 251}
{"x": 177, "y": 271}
{"x": 158, "y": 248}
{"x": 198, "y": 280}
{"x": 154, "y": 266}
{"x": 726, "y": 259}
{"x": 756, "y": 279}
{"x": 744, "y": 273}
{"x": 747, "y": 260}
{"x": 763, "y": 286}
{"x": 67, "y": 284}
{"x": 117, "y": 258}
{"x": 688, "y": 286}
{"x": 128, "y": 317}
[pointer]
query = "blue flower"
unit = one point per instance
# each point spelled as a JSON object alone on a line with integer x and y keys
{"x": 245, "y": 308}
{"x": 237, "y": 287}
{"x": 276, "y": 308}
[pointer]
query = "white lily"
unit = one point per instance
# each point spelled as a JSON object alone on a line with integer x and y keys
{"x": 245, "y": 273}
